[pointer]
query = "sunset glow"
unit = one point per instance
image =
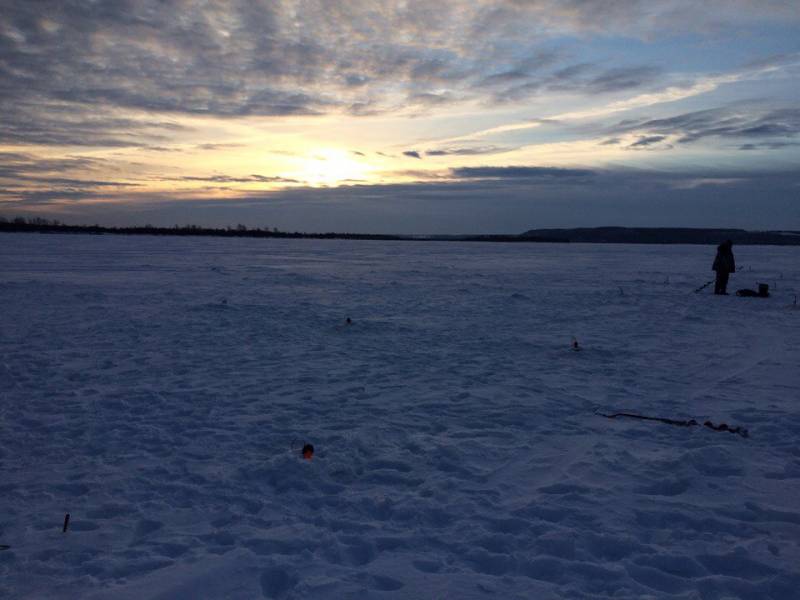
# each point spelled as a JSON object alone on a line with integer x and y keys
{"x": 150, "y": 112}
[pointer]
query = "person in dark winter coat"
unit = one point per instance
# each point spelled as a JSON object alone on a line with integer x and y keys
{"x": 724, "y": 265}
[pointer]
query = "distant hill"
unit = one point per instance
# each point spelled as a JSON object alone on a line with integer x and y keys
{"x": 665, "y": 235}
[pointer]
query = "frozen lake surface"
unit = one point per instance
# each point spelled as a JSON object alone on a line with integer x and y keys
{"x": 159, "y": 390}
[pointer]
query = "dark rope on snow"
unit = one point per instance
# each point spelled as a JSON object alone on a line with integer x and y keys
{"x": 704, "y": 286}
{"x": 690, "y": 423}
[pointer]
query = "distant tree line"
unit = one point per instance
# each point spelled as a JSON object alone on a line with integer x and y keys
{"x": 40, "y": 225}
{"x": 590, "y": 235}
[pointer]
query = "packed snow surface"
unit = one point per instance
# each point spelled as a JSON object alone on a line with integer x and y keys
{"x": 159, "y": 390}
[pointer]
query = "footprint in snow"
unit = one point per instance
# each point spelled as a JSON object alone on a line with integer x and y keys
{"x": 276, "y": 582}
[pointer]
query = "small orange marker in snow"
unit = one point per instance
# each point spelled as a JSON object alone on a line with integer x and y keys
{"x": 308, "y": 451}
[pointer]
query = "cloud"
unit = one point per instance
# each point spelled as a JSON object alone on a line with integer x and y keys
{"x": 468, "y": 151}
{"x": 24, "y": 166}
{"x": 581, "y": 79}
{"x": 519, "y": 173}
{"x": 419, "y": 175}
{"x": 219, "y": 146}
{"x": 13, "y": 198}
{"x": 623, "y": 78}
{"x": 739, "y": 123}
{"x": 522, "y": 69}
{"x": 232, "y": 179}
{"x": 80, "y": 183}
{"x": 32, "y": 121}
{"x": 639, "y": 18}
{"x": 753, "y": 200}
{"x": 769, "y": 146}
{"x": 666, "y": 93}
{"x": 68, "y": 68}
{"x": 28, "y": 180}
{"x": 140, "y": 74}
{"x": 647, "y": 141}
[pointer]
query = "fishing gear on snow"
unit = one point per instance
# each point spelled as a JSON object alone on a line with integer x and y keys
{"x": 307, "y": 451}
{"x": 690, "y": 423}
{"x": 763, "y": 292}
{"x": 704, "y": 286}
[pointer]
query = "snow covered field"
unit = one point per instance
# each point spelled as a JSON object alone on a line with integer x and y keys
{"x": 159, "y": 389}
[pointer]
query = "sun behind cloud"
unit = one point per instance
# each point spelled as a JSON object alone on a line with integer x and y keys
{"x": 330, "y": 167}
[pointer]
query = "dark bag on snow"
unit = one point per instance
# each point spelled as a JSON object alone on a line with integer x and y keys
{"x": 763, "y": 292}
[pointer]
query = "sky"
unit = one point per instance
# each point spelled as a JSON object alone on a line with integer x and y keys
{"x": 392, "y": 116}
